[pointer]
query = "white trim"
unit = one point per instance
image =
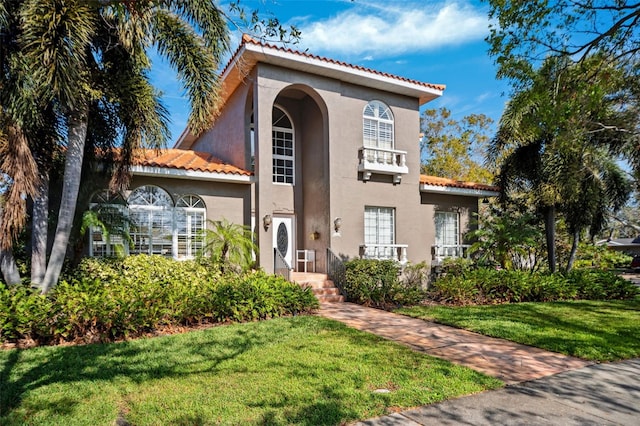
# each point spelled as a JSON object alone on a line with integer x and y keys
{"x": 298, "y": 61}
{"x": 452, "y": 190}
{"x": 190, "y": 174}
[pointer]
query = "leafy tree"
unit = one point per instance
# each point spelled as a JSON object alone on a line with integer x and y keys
{"x": 449, "y": 147}
{"x": 555, "y": 139}
{"x": 525, "y": 32}
{"x": 76, "y": 72}
{"x": 230, "y": 245}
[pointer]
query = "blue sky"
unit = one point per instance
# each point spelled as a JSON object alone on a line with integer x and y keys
{"x": 431, "y": 41}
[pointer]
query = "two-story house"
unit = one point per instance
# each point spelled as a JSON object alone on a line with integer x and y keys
{"x": 318, "y": 156}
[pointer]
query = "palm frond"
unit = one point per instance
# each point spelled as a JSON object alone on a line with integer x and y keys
{"x": 195, "y": 65}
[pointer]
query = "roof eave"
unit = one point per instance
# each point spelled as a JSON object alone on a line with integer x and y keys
{"x": 191, "y": 174}
{"x": 452, "y": 190}
{"x": 339, "y": 71}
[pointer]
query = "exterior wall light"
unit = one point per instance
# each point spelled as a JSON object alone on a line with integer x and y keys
{"x": 266, "y": 221}
{"x": 337, "y": 224}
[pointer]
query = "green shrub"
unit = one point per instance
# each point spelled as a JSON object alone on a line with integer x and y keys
{"x": 377, "y": 283}
{"x": 600, "y": 257}
{"x": 105, "y": 300}
{"x": 371, "y": 282}
{"x": 601, "y": 285}
{"x": 489, "y": 286}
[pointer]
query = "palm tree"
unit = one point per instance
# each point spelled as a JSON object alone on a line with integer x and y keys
{"x": 554, "y": 142}
{"x": 87, "y": 60}
{"x": 229, "y": 244}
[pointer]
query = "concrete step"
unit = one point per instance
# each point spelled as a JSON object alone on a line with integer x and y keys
{"x": 325, "y": 291}
{"x": 301, "y": 277}
{"x": 330, "y": 298}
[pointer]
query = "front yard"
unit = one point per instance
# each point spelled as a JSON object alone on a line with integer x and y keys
{"x": 300, "y": 370}
{"x": 593, "y": 330}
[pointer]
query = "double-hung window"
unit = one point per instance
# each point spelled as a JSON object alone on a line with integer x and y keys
{"x": 379, "y": 232}
{"x": 447, "y": 234}
{"x": 283, "y": 148}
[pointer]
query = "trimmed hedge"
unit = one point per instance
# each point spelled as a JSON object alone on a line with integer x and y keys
{"x": 105, "y": 300}
{"x": 376, "y": 283}
{"x": 490, "y": 286}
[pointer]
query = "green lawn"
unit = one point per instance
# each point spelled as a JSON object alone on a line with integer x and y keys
{"x": 302, "y": 370}
{"x": 599, "y": 331}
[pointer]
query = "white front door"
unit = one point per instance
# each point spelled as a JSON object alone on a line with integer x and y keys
{"x": 283, "y": 237}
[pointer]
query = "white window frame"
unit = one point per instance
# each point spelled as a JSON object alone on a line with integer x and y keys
{"x": 157, "y": 211}
{"x": 283, "y": 178}
{"x": 444, "y": 235}
{"x": 378, "y": 121}
{"x": 187, "y": 244}
{"x": 99, "y": 244}
{"x": 380, "y": 230}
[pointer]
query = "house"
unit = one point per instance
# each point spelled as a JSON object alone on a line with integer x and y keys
{"x": 320, "y": 157}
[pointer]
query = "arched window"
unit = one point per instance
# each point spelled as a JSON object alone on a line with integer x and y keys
{"x": 282, "y": 147}
{"x": 151, "y": 213}
{"x": 190, "y": 224}
{"x": 377, "y": 122}
{"x": 108, "y": 221}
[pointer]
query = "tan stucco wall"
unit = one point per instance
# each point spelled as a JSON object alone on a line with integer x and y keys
{"x": 223, "y": 200}
{"x": 327, "y": 118}
{"x": 227, "y": 140}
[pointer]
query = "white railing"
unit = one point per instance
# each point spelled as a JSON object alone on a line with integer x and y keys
{"x": 383, "y": 161}
{"x": 385, "y": 252}
{"x": 441, "y": 252}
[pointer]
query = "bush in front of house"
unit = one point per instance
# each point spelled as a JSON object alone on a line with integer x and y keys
{"x": 378, "y": 283}
{"x": 491, "y": 286}
{"x": 105, "y": 300}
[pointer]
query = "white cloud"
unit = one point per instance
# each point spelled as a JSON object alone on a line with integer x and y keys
{"x": 372, "y": 29}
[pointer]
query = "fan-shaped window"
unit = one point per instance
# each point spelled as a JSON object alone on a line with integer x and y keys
{"x": 108, "y": 224}
{"x": 377, "y": 126}
{"x": 282, "y": 147}
{"x": 190, "y": 223}
{"x": 151, "y": 213}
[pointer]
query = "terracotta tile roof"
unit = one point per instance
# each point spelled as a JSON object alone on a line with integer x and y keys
{"x": 441, "y": 181}
{"x": 185, "y": 160}
{"x": 247, "y": 39}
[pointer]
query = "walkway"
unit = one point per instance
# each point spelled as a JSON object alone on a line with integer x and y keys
{"x": 602, "y": 394}
{"x": 511, "y": 362}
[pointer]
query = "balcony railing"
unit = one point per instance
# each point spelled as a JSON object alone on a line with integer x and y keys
{"x": 441, "y": 252}
{"x": 396, "y": 252}
{"x": 383, "y": 161}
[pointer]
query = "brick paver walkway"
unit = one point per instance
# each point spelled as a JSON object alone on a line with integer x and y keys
{"x": 508, "y": 361}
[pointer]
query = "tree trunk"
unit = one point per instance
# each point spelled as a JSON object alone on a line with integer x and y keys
{"x": 550, "y": 234}
{"x": 68, "y": 201}
{"x": 574, "y": 250}
{"x": 39, "y": 232}
{"x": 8, "y": 267}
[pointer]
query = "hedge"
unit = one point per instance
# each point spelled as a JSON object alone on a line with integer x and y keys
{"x": 106, "y": 300}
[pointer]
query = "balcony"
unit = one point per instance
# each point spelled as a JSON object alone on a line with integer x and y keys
{"x": 441, "y": 252}
{"x": 397, "y": 252}
{"x": 383, "y": 161}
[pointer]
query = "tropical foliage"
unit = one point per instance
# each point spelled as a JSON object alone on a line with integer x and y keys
{"x": 229, "y": 245}
{"x": 112, "y": 299}
{"x": 556, "y": 142}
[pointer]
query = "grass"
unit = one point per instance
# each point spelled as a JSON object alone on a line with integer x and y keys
{"x": 301, "y": 370}
{"x": 592, "y": 330}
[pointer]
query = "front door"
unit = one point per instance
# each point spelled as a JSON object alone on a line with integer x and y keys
{"x": 283, "y": 237}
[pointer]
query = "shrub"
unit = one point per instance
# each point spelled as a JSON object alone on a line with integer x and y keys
{"x": 377, "y": 283}
{"x": 371, "y": 282}
{"x": 105, "y": 300}
{"x": 600, "y": 257}
{"x": 488, "y": 286}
